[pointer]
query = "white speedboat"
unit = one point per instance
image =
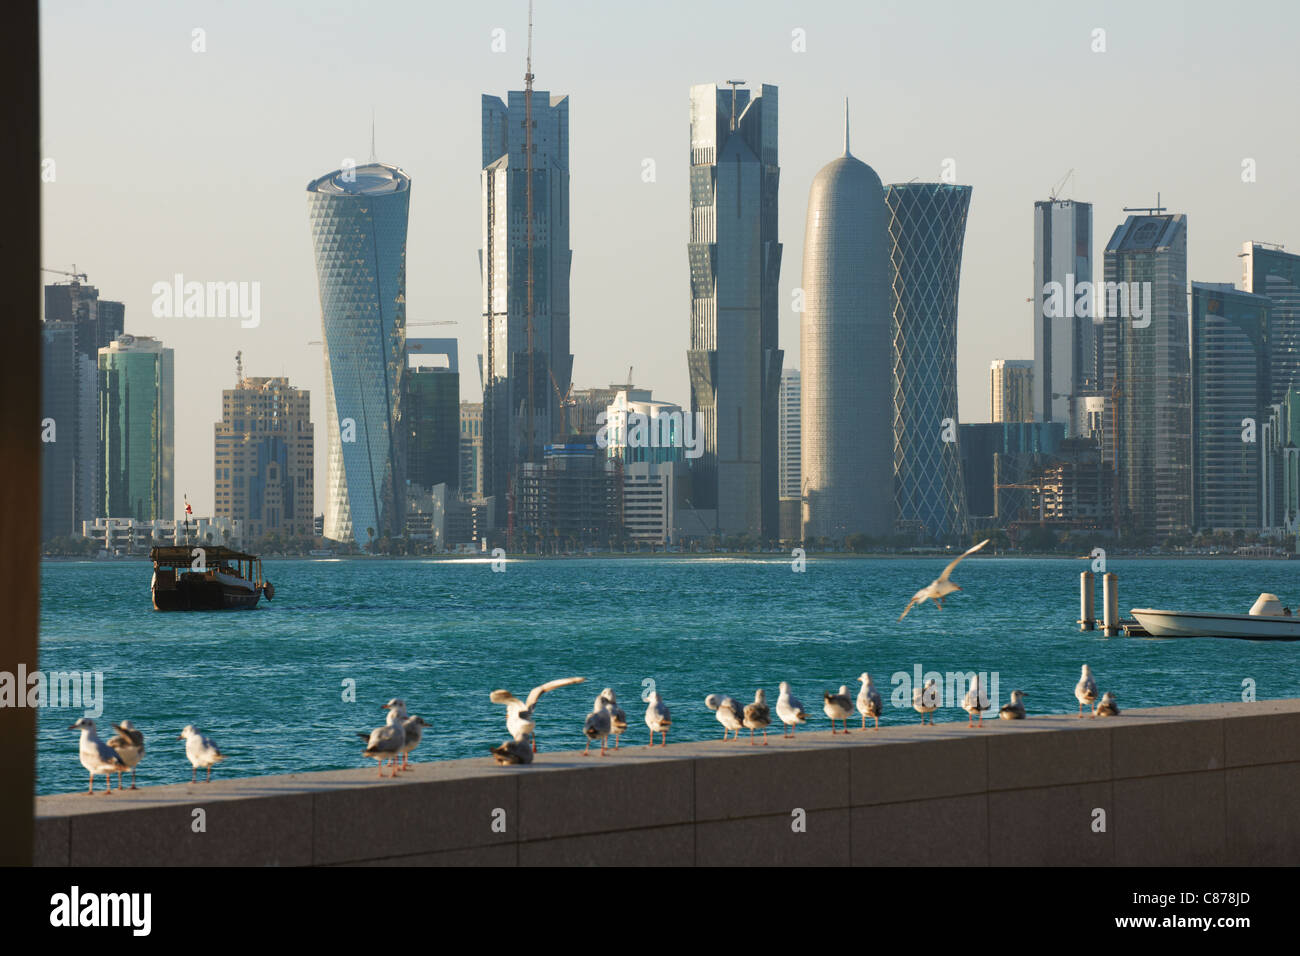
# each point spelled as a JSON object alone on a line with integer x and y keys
{"x": 1267, "y": 621}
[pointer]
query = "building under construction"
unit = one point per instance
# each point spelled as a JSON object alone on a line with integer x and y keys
{"x": 569, "y": 500}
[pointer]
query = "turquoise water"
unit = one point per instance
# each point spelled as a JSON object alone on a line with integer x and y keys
{"x": 268, "y": 685}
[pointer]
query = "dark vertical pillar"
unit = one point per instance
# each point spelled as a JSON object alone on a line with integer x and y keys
{"x": 19, "y": 422}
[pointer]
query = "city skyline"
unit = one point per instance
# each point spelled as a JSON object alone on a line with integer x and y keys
{"x": 171, "y": 224}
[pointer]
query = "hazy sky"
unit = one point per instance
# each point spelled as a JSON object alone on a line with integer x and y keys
{"x": 167, "y": 160}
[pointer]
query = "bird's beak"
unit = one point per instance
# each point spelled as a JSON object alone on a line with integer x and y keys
{"x": 181, "y": 737}
{"x": 72, "y": 726}
{"x": 957, "y": 586}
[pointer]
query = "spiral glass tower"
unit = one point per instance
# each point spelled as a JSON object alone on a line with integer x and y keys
{"x": 358, "y": 223}
{"x": 927, "y": 226}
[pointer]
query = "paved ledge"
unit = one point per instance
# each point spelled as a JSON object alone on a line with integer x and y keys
{"x": 1211, "y": 784}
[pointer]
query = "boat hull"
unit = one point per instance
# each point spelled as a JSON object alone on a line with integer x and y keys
{"x": 1249, "y": 627}
{"x": 198, "y": 593}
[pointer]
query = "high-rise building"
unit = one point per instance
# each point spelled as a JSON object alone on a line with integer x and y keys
{"x": 927, "y": 227}
{"x": 264, "y": 449}
{"x": 358, "y": 221}
{"x": 74, "y": 462}
{"x": 137, "y": 428}
{"x": 471, "y": 448}
{"x": 1067, "y": 351}
{"x": 1011, "y": 390}
{"x": 735, "y": 264}
{"x": 431, "y": 413}
{"x": 569, "y": 500}
{"x": 1268, "y": 270}
{"x": 1004, "y": 454}
{"x": 1280, "y": 465}
{"x": 791, "y": 426}
{"x": 59, "y": 407}
{"x": 1230, "y": 399}
{"x": 844, "y": 355}
{"x": 647, "y": 441}
{"x": 1147, "y": 371}
{"x": 517, "y": 283}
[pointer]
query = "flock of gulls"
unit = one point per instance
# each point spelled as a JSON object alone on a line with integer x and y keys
{"x": 402, "y": 732}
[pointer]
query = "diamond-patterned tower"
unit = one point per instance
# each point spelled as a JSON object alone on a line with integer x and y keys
{"x": 927, "y": 226}
{"x": 358, "y": 223}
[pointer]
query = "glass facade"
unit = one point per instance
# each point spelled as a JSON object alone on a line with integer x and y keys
{"x": 433, "y": 425}
{"x": 503, "y": 260}
{"x": 1067, "y": 347}
{"x": 1229, "y": 385}
{"x": 1147, "y": 371}
{"x": 735, "y": 263}
{"x": 137, "y": 428}
{"x": 791, "y": 430}
{"x": 927, "y": 228}
{"x": 358, "y": 223}
{"x": 1268, "y": 271}
{"x": 847, "y": 460}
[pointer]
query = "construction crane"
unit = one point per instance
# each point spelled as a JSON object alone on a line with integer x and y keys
{"x": 239, "y": 368}
{"x": 1059, "y": 185}
{"x": 64, "y": 272}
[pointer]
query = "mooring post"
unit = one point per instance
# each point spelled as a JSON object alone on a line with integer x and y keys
{"x": 1087, "y": 601}
{"x": 1110, "y": 600}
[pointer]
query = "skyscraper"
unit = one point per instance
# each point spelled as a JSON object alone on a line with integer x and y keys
{"x": 59, "y": 406}
{"x": 927, "y": 227}
{"x": 1011, "y": 391}
{"x": 358, "y": 222}
{"x": 1066, "y": 346}
{"x": 1229, "y": 386}
{"x": 506, "y": 368}
{"x": 845, "y": 356}
{"x": 264, "y": 449}
{"x": 1147, "y": 371}
{"x": 735, "y": 264}
{"x": 471, "y": 448}
{"x": 432, "y": 414}
{"x": 137, "y": 428}
{"x": 791, "y": 431}
{"x": 1268, "y": 270}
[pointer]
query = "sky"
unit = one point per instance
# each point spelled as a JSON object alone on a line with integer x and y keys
{"x": 169, "y": 160}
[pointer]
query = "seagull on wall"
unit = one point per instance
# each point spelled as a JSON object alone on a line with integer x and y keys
{"x": 940, "y": 587}
{"x": 519, "y": 713}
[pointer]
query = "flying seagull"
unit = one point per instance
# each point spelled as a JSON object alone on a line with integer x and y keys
{"x": 129, "y": 744}
{"x": 97, "y": 756}
{"x": 941, "y": 587}
{"x": 519, "y": 714}
{"x": 201, "y": 751}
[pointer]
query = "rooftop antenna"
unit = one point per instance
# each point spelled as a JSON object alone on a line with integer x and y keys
{"x": 734, "y": 84}
{"x": 239, "y": 368}
{"x": 1155, "y": 210}
{"x": 846, "y": 126}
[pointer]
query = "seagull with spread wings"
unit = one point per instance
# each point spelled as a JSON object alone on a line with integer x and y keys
{"x": 519, "y": 713}
{"x": 941, "y": 587}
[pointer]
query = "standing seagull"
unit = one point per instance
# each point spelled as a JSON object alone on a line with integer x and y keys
{"x": 386, "y": 742}
{"x": 129, "y": 744}
{"x": 657, "y": 718}
{"x": 940, "y": 587}
{"x": 974, "y": 702}
{"x": 1106, "y": 707}
{"x": 1014, "y": 710}
{"x": 201, "y": 751}
{"x": 411, "y": 734}
{"x": 97, "y": 756}
{"x": 519, "y": 714}
{"x": 600, "y": 722}
{"x": 925, "y": 701}
{"x": 790, "y": 710}
{"x": 516, "y": 751}
{"x": 757, "y": 716}
{"x": 618, "y": 719}
{"x": 730, "y": 714}
{"x": 838, "y": 707}
{"x": 869, "y": 702}
{"x": 1085, "y": 692}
